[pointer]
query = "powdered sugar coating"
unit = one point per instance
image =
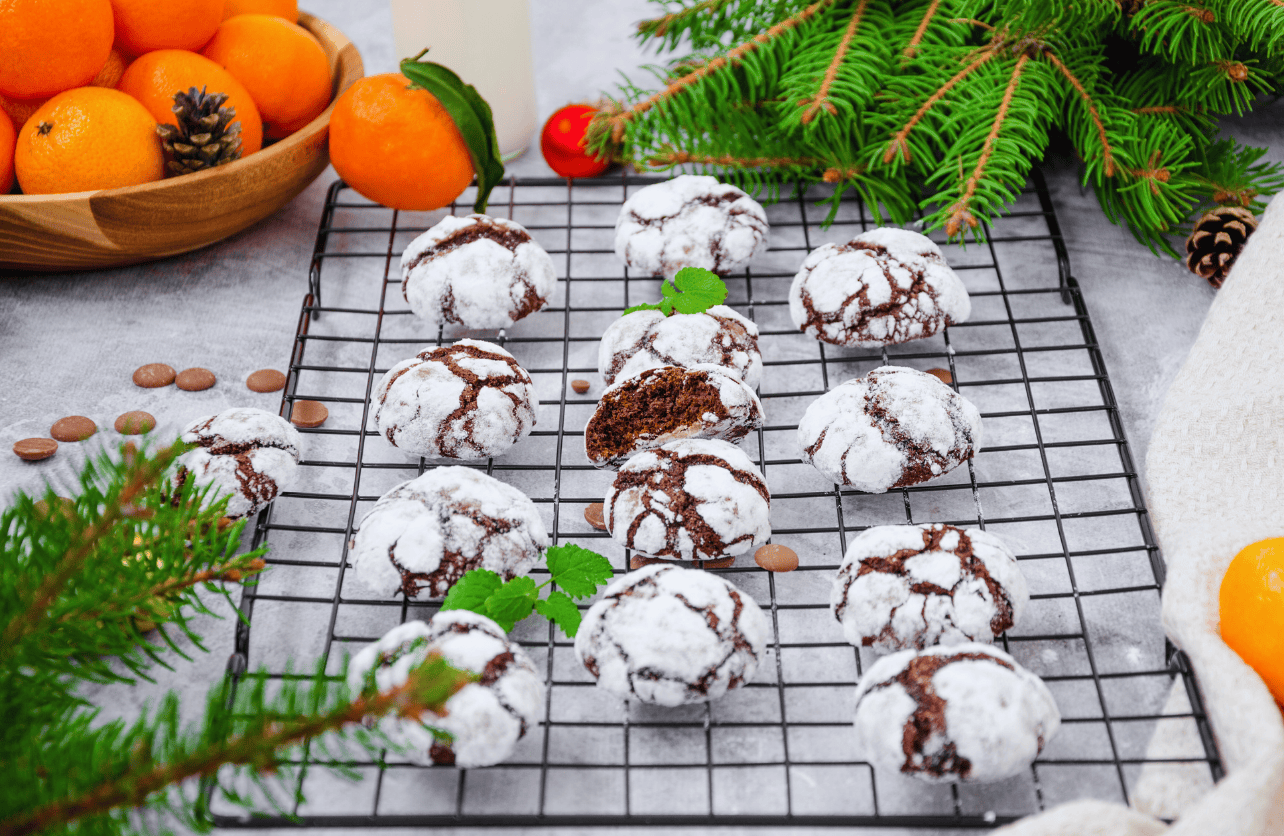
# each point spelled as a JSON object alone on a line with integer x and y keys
{"x": 469, "y": 400}
{"x": 894, "y": 427}
{"x": 724, "y": 408}
{"x": 963, "y": 713}
{"x": 247, "y": 454}
{"x": 422, "y": 535}
{"x": 916, "y": 586}
{"x": 476, "y": 271}
{"x": 485, "y": 718}
{"x": 689, "y": 221}
{"x": 648, "y": 339}
{"x": 669, "y": 636}
{"x": 694, "y": 499}
{"x": 884, "y": 286}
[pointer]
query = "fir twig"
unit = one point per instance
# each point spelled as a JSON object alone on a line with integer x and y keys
{"x": 143, "y": 473}
{"x": 670, "y": 158}
{"x": 426, "y": 690}
{"x": 821, "y": 101}
{"x": 1106, "y": 151}
{"x": 917, "y": 38}
{"x": 617, "y": 122}
{"x": 898, "y": 147}
{"x": 659, "y": 27}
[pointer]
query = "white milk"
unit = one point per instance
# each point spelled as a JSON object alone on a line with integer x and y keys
{"x": 488, "y": 43}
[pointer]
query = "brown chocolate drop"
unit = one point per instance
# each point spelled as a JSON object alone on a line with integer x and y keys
{"x": 637, "y": 561}
{"x": 580, "y": 386}
{"x": 308, "y": 414}
{"x": 135, "y": 423}
{"x": 35, "y": 449}
{"x": 73, "y": 428}
{"x": 942, "y": 375}
{"x": 776, "y": 558}
{"x": 265, "y": 380}
{"x": 153, "y": 375}
{"x": 195, "y": 379}
{"x": 595, "y": 515}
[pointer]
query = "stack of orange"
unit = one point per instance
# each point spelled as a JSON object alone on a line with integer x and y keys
{"x": 79, "y": 104}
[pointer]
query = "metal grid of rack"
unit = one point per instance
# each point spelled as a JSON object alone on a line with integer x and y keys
{"x": 1055, "y": 479}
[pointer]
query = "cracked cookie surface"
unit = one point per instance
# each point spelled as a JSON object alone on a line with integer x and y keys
{"x": 486, "y": 718}
{"x": 648, "y": 339}
{"x": 248, "y": 454}
{"x": 884, "y": 286}
{"x": 469, "y": 400}
{"x": 693, "y": 499}
{"x": 892, "y": 428}
{"x": 915, "y": 586}
{"x": 424, "y": 534}
{"x": 476, "y": 271}
{"x": 963, "y": 713}
{"x": 668, "y": 636}
{"x": 689, "y": 221}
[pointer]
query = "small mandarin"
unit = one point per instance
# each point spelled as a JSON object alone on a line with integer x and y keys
{"x": 281, "y": 65}
{"x": 8, "y": 141}
{"x": 146, "y": 25}
{"x": 396, "y": 144}
{"x": 109, "y": 75}
{"x": 1252, "y": 610}
{"x": 288, "y": 9}
{"x": 20, "y": 110}
{"x": 87, "y": 139}
{"x": 42, "y": 54}
{"x": 154, "y": 78}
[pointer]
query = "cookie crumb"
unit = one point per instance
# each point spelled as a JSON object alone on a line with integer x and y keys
{"x": 595, "y": 516}
{"x": 943, "y": 375}
{"x": 308, "y": 414}
{"x": 153, "y": 375}
{"x": 195, "y": 379}
{"x": 35, "y": 449}
{"x": 265, "y": 380}
{"x": 580, "y": 386}
{"x": 73, "y": 428}
{"x": 136, "y": 422}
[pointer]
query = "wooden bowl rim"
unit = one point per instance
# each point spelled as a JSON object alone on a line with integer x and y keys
{"x": 326, "y": 32}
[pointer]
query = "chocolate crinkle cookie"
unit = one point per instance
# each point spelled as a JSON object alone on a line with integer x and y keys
{"x": 484, "y": 719}
{"x": 476, "y": 271}
{"x": 967, "y": 712}
{"x": 249, "y": 455}
{"x": 882, "y": 287}
{"x": 916, "y": 586}
{"x": 469, "y": 400}
{"x": 423, "y": 535}
{"x": 648, "y": 339}
{"x": 892, "y": 428}
{"x": 661, "y": 405}
{"x": 689, "y": 221}
{"x": 693, "y": 499}
{"x": 668, "y": 636}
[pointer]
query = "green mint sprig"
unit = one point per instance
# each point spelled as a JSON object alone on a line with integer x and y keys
{"x": 576, "y": 570}
{"x": 693, "y": 290}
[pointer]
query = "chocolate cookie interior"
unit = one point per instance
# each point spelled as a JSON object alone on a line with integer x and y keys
{"x": 655, "y": 407}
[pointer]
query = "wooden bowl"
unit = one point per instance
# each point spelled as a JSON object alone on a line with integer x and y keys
{"x": 111, "y": 227}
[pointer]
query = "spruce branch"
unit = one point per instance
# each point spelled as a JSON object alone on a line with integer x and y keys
{"x": 617, "y": 122}
{"x": 820, "y": 101}
{"x": 960, "y": 214}
{"x": 660, "y": 26}
{"x": 671, "y": 157}
{"x": 917, "y": 38}
{"x": 138, "y": 776}
{"x": 898, "y": 148}
{"x": 1106, "y": 151}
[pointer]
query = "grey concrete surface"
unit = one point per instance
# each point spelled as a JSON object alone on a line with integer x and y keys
{"x": 70, "y": 341}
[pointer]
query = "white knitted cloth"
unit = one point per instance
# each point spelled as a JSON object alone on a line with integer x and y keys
{"x": 1216, "y": 475}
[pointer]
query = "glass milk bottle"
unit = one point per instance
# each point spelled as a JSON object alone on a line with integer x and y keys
{"x": 488, "y": 44}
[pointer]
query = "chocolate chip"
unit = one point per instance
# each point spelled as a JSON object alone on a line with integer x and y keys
{"x": 580, "y": 386}
{"x": 308, "y": 414}
{"x": 265, "y": 380}
{"x": 153, "y": 376}
{"x": 775, "y": 558}
{"x": 73, "y": 428}
{"x": 943, "y": 375}
{"x": 195, "y": 379}
{"x": 595, "y": 514}
{"x": 135, "y": 423}
{"x": 35, "y": 449}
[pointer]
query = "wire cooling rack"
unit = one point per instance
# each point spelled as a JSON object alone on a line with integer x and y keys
{"x": 1055, "y": 480}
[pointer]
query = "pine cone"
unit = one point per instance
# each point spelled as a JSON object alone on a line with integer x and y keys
{"x": 204, "y": 138}
{"x": 1217, "y": 240}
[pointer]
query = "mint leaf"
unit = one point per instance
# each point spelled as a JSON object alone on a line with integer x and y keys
{"x": 693, "y": 290}
{"x": 577, "y": 570}
{"x": 561, "y": 610}
{"x": 512, "y": 602}
{"x": 701, "y": 290}
{"x": 471, "y": 591}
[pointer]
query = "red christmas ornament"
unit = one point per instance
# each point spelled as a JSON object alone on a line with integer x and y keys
{"x": 562, "y": 143}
